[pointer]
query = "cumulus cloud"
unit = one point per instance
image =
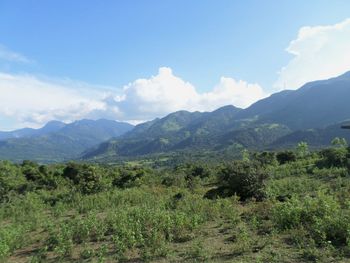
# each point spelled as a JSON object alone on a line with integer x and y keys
{"x": 11, "y": 56}
{"x": 145, "y": 99}
{"x": 33, "y": 101}
{"x": 230, "y": 91}
{"x": 320, "y": 52}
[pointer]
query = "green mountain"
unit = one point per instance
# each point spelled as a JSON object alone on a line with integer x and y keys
{"x": 170, "y": 124}
{"x": 311, "y": 113}
{"x": 281, "y": 120}
{"x": 62, "y": 144}
{"x": 315, "y": 105}
{"x": 316, "y": 138}
{"x": 179, "y": 131}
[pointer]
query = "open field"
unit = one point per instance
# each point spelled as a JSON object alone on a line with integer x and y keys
{"x": 269, "y": 207}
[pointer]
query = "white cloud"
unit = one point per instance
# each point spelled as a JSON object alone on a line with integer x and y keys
{"x": 9, "y": 55}
{"x": 145, "y": 99}
{"x": 32, "y": 101}
{"x": 231, "y": 91}
{"x": 320, "y": 52}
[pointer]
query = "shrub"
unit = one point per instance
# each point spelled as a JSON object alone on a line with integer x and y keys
{"x": 87, "y": 178}
{"x": 265, "y": 158}
{"x": 334, "y": 157}
{"x": 129, "y": 177}
{"x": 11, "y": 180}
{"x": 321, "y": 216}
{"x": 245, "y": 179}
{"x": 286, "y": 157}
{"x": 11, "y": 237}
{"x": 177, "y": 179}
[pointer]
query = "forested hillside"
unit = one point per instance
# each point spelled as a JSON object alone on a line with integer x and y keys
{"x": 63, "y": 142}
{"x": 313, "y": 113}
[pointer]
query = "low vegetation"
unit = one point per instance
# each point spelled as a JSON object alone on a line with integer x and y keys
{"x": 290, "y": 206}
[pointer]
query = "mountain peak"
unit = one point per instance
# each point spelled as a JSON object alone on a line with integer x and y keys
{"x": 54, "y": 123}
{"x": 227, "y": 108}
{"x": 346, "y": 75}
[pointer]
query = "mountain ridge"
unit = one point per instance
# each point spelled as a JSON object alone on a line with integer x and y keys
{"x": 281, "y": 120}
{"x": 62, "y": 144}
{"x": 265, "y": 124}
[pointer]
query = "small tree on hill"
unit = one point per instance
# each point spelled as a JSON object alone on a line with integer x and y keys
{"x": 339, "y": 142}
{"x": 302, "y": 149}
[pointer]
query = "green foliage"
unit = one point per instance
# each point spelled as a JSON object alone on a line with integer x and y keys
{"x": 245, "y": 179}
{"x": 334, "y": 157}
{"x": 11, "y": 237}
{"x": 285, "y": 157}
{"x": 302, "y": 149}
{"x": 11, "y": 180}
{"x": 339, "y": 142}
{"x": 245, "y": 155}
{"x": 265, "y": 158}
{"x": 87, "y": 178}
{"x": 321, "y": 216}
{"x": 129, "y": 177}
{"x": 263, "y": 211}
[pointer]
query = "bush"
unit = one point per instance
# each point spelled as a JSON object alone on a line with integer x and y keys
{"x": 321, "y": 216}
{"x": 245, "y": 179}
{"x": 129, "y": 177}
{"x": 11, "y": 180}
{"x": 286, "y": 157}
{"x": 87, "y": 178}
{"x": 266, "y": 158}
{"x": 11, "y": 237}
{"x": 334, "y": 157}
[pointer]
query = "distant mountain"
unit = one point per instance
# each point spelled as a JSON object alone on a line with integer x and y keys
{"x": 215, "y": 130}
{"x": 284, "y": 118}
{"x": 51, "y": 126}
{"x": 315, "y": 105}
{"x": 313, "y": 113}
{"x": 60, "y": 144}
{"x": 170, "y": 124}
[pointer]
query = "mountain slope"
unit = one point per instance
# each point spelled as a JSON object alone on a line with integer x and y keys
{"x": 281, "y": 119}
{"x": 206, "y": 131}
{"x": 317, "y": 104}
{"x": 170, "y": 124}
{"x": 51, "y": 126}
{"x": 66, "y": 143}
{"x": 315, "y": 138}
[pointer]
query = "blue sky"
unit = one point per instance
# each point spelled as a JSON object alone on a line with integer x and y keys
{"x": 103, "y": 46}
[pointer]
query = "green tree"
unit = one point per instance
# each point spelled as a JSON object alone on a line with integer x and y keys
{"x": 286, "y": 157}
{"x": 302, "y": 149}
{"x": 245, "y": 155}
{"x": 245, "y": 179}
{"x": 339, "y": 142}
{"x": 87, "y": 178}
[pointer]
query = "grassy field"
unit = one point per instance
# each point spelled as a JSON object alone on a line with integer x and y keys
{"x": 269, "y": 207}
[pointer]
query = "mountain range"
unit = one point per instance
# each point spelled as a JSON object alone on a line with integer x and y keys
{"x": 58, "y": 141}
{"x": 313, "y": 113}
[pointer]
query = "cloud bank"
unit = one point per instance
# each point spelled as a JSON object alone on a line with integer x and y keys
{"x": 320, "y": 52}
{"x": 165, "y": 93}
{"x": 33, "y": 101}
